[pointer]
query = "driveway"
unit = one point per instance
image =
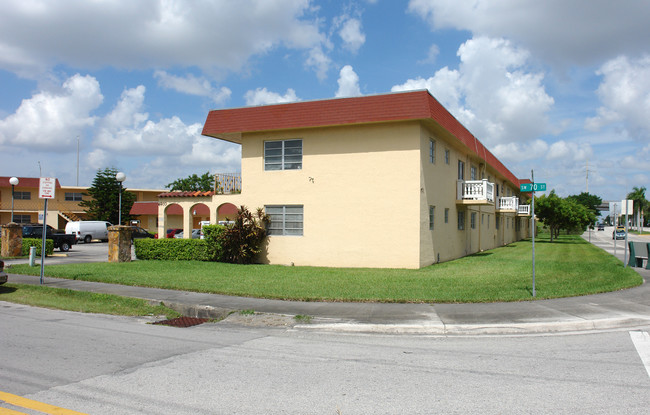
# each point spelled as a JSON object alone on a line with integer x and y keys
{"x": 79, "y": 253}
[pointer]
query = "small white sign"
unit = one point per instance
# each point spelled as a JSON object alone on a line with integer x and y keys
{"x": 46, "y": 188}
{"x": 630, "y": 209}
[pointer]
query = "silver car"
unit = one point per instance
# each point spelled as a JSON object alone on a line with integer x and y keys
{"x": 3, "y": 274}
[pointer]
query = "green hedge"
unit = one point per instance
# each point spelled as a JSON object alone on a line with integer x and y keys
{"x": 172, "y": 249}
{"x": 27, "y": 242}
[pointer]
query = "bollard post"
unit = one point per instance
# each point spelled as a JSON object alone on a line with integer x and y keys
{"x": 32, "y": 255}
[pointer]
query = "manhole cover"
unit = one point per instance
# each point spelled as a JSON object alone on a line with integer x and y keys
{"x": 183, "y": 321}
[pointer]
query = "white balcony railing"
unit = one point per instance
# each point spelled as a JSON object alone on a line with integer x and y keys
{"x": 524, "y": 210}
{"x": 508, "y": 203}
{"x": 475, "y": 190}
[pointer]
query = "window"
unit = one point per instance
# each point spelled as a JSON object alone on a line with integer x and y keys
{"x": 446, "y": 215}
{"x": 447, "y": 156}
{"x": 473, "y": 220}
{"x": 285, "y": 220}
{"x": 461, "y": 220}
{"x": 473, "y": 173}
{"x": 432, "y": 211}
{"x": 461, "y": 170}
{"x": 432, "y": 151}
{"x": 74, "y": 197}
{"x": 283, "y": 155}
{"x": 22, "y": 218}
{"x": 22, "y": 196}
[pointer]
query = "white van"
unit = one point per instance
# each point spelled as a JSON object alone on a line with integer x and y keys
{"x": 87, "y": 230}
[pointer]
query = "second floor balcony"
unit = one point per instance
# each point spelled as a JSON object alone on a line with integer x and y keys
{"x": 508, "y": 204}
{"x": 523, "y": 210}
{"x": 475, "y": 192}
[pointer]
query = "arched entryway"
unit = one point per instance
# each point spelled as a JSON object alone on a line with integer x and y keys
{"x": 173, "y": 219}
{"x": 200, "y": 212}
{"x": 226, "y": 212}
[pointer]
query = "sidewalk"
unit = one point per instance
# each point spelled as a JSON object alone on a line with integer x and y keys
{"x": 616, "y": 310}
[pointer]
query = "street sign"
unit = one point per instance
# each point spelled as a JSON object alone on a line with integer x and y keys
{"x": 532, "y": 187}
{"x": 47, "y": 186}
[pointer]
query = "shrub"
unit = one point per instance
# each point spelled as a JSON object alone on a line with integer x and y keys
{"x": 172, "y": 249}
{"x": 27, "y": 242}
{"x": 242, "y": 241}
{"x": 213, "y": 237}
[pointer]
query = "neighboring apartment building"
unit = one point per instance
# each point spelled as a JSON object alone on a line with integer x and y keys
{"x": 29, "y": 208}
{"x": 377, "y": 181}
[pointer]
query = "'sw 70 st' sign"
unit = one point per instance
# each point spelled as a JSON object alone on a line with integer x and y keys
{"x": 532, "y": 187}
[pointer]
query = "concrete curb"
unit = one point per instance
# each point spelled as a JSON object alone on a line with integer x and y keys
{"x": 428, "y": 328}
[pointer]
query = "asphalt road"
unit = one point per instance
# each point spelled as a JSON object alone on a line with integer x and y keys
{"x": 100, "y": 364}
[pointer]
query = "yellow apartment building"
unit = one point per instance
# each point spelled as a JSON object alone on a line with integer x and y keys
{"x": 385, "y": 181}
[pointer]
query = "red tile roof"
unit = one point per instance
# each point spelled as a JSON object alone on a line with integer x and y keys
{"x": 185, "y": 194}
{"x": 32, "y": 182}
{"x": 230, "y": 124}
{"x": 144, "y": 208}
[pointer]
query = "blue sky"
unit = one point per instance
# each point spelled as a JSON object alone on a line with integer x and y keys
{"x": 553, "y": 86}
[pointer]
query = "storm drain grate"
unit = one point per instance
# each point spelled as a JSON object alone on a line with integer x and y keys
{"x": 183, "y": 321}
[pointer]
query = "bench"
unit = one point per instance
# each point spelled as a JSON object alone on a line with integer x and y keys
{"x": 639, "y": 253}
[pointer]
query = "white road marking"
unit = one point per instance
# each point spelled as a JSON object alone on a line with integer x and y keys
{"x": 641, "y": 340}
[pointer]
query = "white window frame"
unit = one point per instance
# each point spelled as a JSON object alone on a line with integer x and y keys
{"x": 283, "y": 215}
{"x": 432, "y": 151}
{"x": 283, "y": 160}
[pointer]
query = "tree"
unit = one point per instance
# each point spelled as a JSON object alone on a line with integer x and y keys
{"x": 242, "y": 241}
{"x": 637, "y": 195}
{"x": 557, "y": 214}
{"x": 591, "y": 202}
{"x": 105, "y": 193}
{"x": 193, "y": 183}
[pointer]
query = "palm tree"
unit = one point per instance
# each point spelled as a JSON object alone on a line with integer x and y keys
{"x": 638, "y": 196}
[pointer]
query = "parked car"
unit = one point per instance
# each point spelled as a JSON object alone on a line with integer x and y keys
{"x": 87, "y": 230}
{"x": 140, "y": 233}
{"x": 173, "y": 231}
{"x": 196, "y": 234}
{"x": 63, "y": 241}
{"x": 601, "y": 226}
{"x": 619, "y": 233}
{"x": 3, "y": 274}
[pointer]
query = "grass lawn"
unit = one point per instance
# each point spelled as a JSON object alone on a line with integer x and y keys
{"x": 80, "y": 301}
{"x": 568, "y": 267}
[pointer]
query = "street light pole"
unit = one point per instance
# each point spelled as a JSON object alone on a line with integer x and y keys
{"x": 13, "y": 181}
{"x": 120, "y": 177}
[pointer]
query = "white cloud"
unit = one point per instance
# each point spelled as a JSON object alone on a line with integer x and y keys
{"x": 51, "y": 120}
{"x": 352, "y": 35}
{"x": 569, "y": 151}
{"x": 517, "y": 152}
{"x": 127, "y": 130}
{"x": 192, "y": 85}
{"x": 492, "y": 93}
{"x": 348, "y": 83}
{"x": 262, "y": 96}
{"x": 213, "y": 35}
{"x": 582, "y": 32}
{"x": 319, "y": 62}
{"x": 625, "y": 95}
{"x": 432, "y": 55}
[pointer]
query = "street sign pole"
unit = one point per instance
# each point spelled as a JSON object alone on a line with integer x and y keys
{"x": 532, "y": 177}
{"x": 46, "y": 190}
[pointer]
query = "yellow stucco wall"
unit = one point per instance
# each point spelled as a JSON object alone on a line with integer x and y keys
{"x": 366, "y": 192}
